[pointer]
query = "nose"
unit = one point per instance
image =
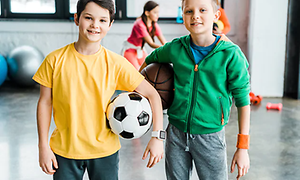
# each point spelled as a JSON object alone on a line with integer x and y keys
{"x": 196, "y": 16}
{"x": 96, "y": 24}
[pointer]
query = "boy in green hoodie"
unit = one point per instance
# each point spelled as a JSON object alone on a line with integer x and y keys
{"x": 208, "y": 71}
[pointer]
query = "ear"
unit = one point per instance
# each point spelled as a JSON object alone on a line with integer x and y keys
{"x": 217, "y": 15}
{"x": 147, "y": 13}
{"x": 76, "y": 19}
{"x": 111, "y": 24}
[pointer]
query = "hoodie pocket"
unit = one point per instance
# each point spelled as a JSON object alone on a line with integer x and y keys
{"x": 221, "y": 112}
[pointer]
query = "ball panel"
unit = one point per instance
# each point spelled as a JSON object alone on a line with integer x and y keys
{"x": 127, "y": 135}
{"x": 135, "y": 97}
{"x": 143, "y": 118}
{"x": 133, "y": 108}
{"x": 130, "y": 124}
{"x": 116, "y": 126}
{"x": 146, "y": 106}
{"x": 120, "y": 113}
{"x": 141, "y": 131}
{"x": 122, "y": 99}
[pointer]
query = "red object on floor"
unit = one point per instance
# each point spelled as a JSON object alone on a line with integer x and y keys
{"x": 274, "y": 106}
{"x": 255, "y": 100}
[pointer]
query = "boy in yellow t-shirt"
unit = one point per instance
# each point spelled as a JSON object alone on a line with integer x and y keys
{"x": 77, "y": 81}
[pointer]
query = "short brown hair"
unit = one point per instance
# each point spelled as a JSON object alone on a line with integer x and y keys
{"x": 215, "y": 4}
{"x": 106, "y": 4}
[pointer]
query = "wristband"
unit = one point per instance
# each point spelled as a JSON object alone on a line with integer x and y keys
{"x": 243, "y": 141}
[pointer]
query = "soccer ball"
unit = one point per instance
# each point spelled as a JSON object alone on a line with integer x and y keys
{"x": 129, "y": 115}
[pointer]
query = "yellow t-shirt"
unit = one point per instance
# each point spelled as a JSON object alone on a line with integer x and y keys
{"x": 82, "y": 86}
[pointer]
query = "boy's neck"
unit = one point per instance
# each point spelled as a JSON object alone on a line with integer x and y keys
{"x": 203, "y": 40}
{"x": 86, "y": 48}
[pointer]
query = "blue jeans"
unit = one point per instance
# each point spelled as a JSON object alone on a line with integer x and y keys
{"x": 208, "y": 151}
{"x": 105, "y": 168}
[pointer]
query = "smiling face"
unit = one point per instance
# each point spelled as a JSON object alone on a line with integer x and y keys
{"x": 199, "y": 16}
{"x": 93, "y": 23}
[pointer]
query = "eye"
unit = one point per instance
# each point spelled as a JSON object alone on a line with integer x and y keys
{"x": 202, "y": 10}
{"x": 88, "y": 18}
{"x": 102, "y": 20}
{"x": 188, "y": 11}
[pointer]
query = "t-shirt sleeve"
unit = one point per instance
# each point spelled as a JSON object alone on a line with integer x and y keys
{"x": 44, "y": 74}
{"x": 158, "y": 30}
{"x": 128, "y": 78}
{"x": 140, "y": 29}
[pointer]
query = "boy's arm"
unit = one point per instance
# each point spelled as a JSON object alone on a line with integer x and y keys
{"x": 241, "y": 156}
{"x": 44, "y": 111}
{"x": 143, "y": 66}
{"x": 155, "y": 146}
{"x": 150, "y": 42}
{"x": 162, "y": 39}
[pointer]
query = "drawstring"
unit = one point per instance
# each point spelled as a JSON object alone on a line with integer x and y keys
{"x": 187, "y": 143}
{"x": 188, "y": 136}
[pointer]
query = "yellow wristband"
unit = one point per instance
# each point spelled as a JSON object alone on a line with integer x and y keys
{"x": 243, "y": 141}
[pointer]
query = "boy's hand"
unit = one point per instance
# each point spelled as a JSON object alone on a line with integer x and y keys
{"x": 155, "y": 147}
{"x": 46, "y": 159}
{"x": 241, "y": 159}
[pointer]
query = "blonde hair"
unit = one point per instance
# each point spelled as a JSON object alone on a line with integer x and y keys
{"x": 215, "y": 4}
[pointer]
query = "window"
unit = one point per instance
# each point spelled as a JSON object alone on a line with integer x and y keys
{"x": 65, "y": 9}
{"x": 72, "y": 6}
{"x": 131, "y": 9}
{"x": 33, "y": 6}
{"x": 168, "y": 8}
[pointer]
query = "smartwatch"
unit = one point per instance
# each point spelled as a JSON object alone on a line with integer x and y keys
{"x": 161, "y": 134}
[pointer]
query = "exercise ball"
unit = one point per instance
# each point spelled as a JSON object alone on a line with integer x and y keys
{"x": 3, "y": 69}
{"x": 22, "y": 63}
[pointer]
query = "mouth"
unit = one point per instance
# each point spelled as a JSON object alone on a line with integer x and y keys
{"x": 93, "y": 32}
{"x": 196, "y": 23}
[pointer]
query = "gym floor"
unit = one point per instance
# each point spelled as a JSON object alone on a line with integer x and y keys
{"x": 274, "y": 148}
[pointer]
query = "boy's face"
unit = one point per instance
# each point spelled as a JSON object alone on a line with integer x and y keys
{"x": 198, "y": 16}
{"x": 93, "y": 23}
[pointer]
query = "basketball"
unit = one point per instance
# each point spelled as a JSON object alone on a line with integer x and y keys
{"x": 161, "y": 77}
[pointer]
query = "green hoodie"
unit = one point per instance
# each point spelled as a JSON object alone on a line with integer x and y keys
{"x": 203, "y": 92}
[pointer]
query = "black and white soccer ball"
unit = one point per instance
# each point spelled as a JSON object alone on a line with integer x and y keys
{"x": 129, "y": 115}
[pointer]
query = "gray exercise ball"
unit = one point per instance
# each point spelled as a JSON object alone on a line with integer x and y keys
{"x": 22, "y": 63}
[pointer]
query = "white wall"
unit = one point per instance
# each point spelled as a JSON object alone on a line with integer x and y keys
{"x": 48, "y": 36}
{"x": 267, "y": 46}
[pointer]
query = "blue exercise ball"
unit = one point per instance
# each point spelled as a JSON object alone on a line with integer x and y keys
{"x": 3, "y": 69}
{"x": 23, "y": 62}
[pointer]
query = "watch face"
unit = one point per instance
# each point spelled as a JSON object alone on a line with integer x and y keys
{"x": 162, "y": 134}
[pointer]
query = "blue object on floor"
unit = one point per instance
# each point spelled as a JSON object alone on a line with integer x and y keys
{"x": 3, "y": 69}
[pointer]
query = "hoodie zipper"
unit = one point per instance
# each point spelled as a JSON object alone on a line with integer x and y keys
{"x": 196, "y": 69}
{"x": 193, "y": 98}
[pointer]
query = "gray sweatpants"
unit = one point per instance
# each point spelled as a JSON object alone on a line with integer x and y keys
{"x": 208, "y": 151}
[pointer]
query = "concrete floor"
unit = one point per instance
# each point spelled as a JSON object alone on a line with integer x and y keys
{"x": 274, "y": 150}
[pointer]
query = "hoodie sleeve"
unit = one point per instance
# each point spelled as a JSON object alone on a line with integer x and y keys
{"x": 160, "y": 55}
{"x": 238, "y": 78}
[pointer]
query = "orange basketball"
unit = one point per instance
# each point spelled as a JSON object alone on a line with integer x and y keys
{"x": 161, "y": 77}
